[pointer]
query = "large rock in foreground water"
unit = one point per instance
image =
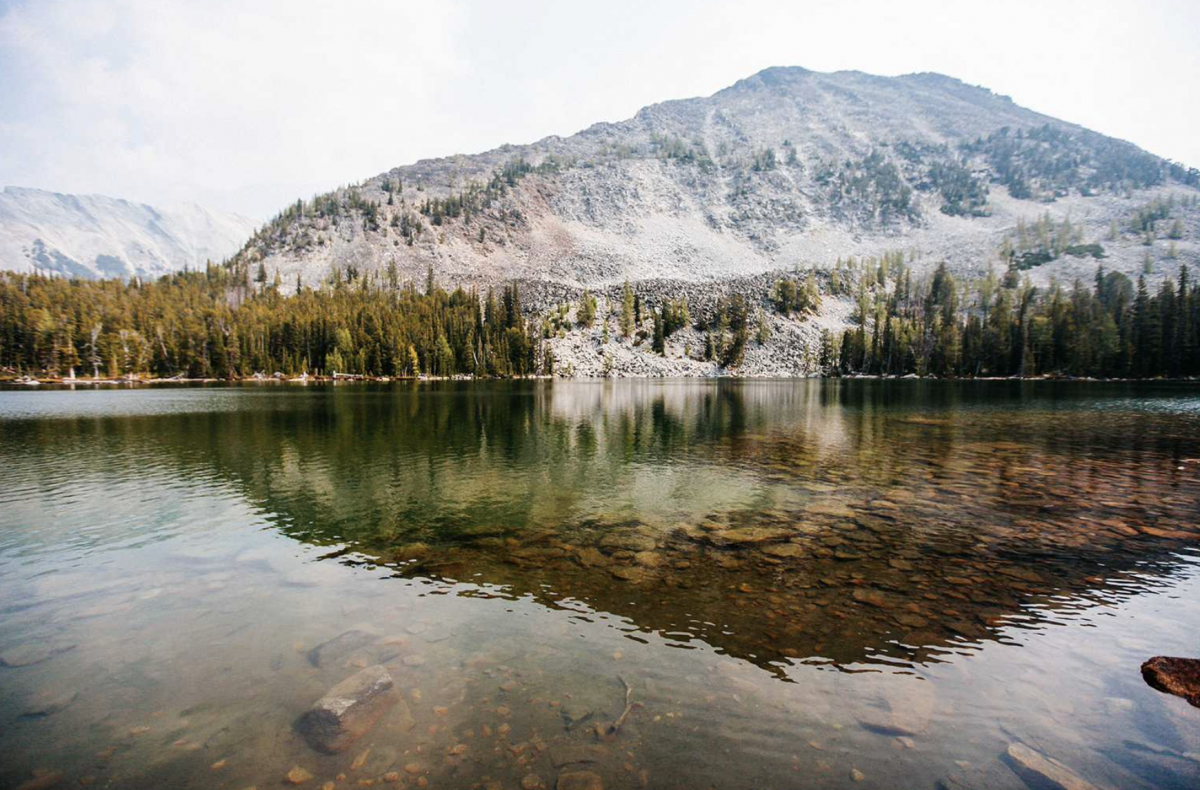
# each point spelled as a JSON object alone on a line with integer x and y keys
{"x": 348, "y": 710}
{"x": 1178, "y": 676}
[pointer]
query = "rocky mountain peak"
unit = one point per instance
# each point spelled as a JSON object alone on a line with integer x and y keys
{"x": 786, "y": 169}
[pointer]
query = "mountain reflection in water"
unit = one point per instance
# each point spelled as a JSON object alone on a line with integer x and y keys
{"x": 853, "y": 525}
{"x": 844, "y": 522}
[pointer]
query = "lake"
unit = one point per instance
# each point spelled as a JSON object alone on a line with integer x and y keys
{"x": 661, "y": 584}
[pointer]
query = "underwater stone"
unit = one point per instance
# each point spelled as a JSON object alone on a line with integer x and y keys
{"x": 340, "y": 647}
{"x": 48, "y": 703}
{"x": 635, "y": 541}
{"x": 1051, "y": 772}
{"x": 30, "y": 654}
{"x": 348, "y": 710}
{"x": 579, "y": 780}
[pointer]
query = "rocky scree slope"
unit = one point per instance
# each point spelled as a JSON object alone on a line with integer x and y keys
{"x": 786, "y": 168}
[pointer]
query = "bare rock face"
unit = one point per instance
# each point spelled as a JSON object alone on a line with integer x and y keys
{"x": 1178, "y": 676}
{"x": 348, "y": 710}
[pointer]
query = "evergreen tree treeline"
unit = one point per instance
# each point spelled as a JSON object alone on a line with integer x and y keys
{"x": 214, "y": 324}
{"x": 1111, "y": 328}
{"x": 225, "y": 323}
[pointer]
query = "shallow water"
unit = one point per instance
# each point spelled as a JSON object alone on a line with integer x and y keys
{"x": 804, "y": 584}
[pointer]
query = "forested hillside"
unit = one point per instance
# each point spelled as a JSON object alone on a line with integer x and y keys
{"x": 226, "y": 323}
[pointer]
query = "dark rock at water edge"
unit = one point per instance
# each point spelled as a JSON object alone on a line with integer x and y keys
{"x": 348, "y": 710}
{"x": 1178, "y": 676}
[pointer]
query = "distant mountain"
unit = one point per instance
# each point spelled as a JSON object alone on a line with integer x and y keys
{"x": 96, "y": 236}
{"x": 788, "y": 168}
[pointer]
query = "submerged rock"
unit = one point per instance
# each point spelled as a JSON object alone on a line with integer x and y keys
{"x": 786, "y": 550}
{"x": 911, "y": 620}
{"x": 579, "y": 780}
{"x": 573, "y": 754}
{"x": 648, "y": 559}
{"x": 829, "y": 507}
{"x": 744, "y": 536}
{"x": 27, "y": 655}
{"x": 48, "y": 703}
{"x": 348, "y": 710}
{"x": 341, "y": 647}
{"x": 1050, "y": 772}
{"x": 629, "y": 541}
{"x": 884, "y": 723}
{"x": 590, "y": 557}
{"x": 41, "y": 780}
{"x": 952, "y": 783}
{"x": 904, "y": 710}
{"x": 872, "y": 597}
{"x": 634, "y": 575}
{"x": 1178, "y": 676}
{"x": 297, "y": 776}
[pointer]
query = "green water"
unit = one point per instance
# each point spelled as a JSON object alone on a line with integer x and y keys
{"x": 803, "y": 583}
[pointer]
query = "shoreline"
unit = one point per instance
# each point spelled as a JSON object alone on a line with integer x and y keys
{"x": 32, "y": 383}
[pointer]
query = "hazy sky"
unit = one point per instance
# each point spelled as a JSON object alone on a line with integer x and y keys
{"x": 245, "y": 105}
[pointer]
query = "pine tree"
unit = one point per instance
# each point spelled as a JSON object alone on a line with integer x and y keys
{"x": 587, "y": 309}
{"x": 764, "y": 329}
{"x": 627, "y": 312}
{"x": 414, "y": 362}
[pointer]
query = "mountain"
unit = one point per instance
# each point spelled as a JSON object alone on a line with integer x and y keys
{"x": 793, "y": 224}
{"x": 787, "y": 169}
{"x": 96, "y": 236}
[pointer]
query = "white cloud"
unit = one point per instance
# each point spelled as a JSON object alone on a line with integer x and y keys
{"x": 248, "y": 104}
{"x": 242, "y": 104}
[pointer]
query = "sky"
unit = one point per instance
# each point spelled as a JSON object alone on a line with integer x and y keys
{"x": 246, "y": 105}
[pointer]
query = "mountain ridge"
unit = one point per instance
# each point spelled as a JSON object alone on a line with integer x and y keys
{"x": 787, "y": 168}
{"x": 96, "y": 235}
